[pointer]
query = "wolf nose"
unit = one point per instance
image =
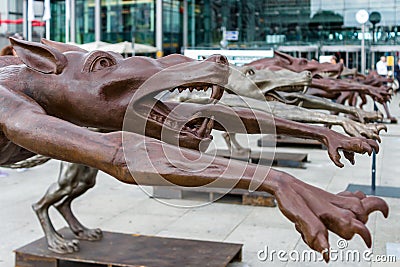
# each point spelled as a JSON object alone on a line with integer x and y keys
{"x": 222, "y": 60}
{"x": 219, "y": 59}
{"x": 308, "y": 74}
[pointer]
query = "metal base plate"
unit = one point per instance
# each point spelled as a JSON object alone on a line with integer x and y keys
{"x": 127, "y": 250}
{"x": 381, "y": 191}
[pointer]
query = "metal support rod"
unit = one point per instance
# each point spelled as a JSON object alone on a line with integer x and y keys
{"x": 373, "y": 169}
{"x": 373, "y": 177}
{"x": 363, "y": 49}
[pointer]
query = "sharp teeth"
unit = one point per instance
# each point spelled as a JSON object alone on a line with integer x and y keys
{"x": 191, "y": 89}
{"x": 202, "y": 130}
{"x": 171, "y": 123}
{"x": 305, "y": 89}
{"x": 210, "y": 126}
{"x": 159, "y": 118}
{"x": 216, "y": 92}
{"x": 180, "y": 89}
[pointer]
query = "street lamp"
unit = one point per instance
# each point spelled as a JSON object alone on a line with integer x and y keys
{"x": 362, "y": 17}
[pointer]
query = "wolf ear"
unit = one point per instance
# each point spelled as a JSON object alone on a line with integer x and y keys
{"x": 62, "y": 47}
{"x": 39, "y": 57}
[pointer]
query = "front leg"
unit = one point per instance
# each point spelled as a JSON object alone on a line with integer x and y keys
{"x": 357, "y": 129}
{"x": 233, "y": 145}
{"x": 315, "y": 211}
{"x": 314, "y": 102}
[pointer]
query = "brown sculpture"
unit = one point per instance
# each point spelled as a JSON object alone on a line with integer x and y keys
{"x": 342, "y": 91}
{"x": 49, "y": 100}
{"x": 273, "y": 84}
{"x": 282, "y": 60}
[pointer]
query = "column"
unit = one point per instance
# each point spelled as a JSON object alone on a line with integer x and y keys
{"x": 72, "y": 22}
{"x": 97, "y": 22}
{"x": 159, "y": 34}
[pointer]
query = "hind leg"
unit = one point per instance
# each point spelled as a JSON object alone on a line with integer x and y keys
{"x": 58, "y": 191}
{"x": 86, "y": 179}
{"x": 233, "y": 145}
{"x": 388, "y": 115}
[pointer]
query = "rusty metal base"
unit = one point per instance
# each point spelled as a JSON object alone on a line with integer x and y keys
{"x": 126, "y": 250}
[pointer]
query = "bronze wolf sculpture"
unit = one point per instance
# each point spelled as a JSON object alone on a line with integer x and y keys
{"x": 48, "y": 102}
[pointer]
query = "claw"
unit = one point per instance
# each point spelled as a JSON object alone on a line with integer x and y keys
{"x": 336, "y": 159}
{"x": 325, "y": 254}
{"x": 381, "y": 127}
{"x": 374, "y": 146}
{"x": 372, "y": 204}
{"x": 321, "y": 244}
{"x": 349, "y": 156}
{"x": 360, "y": 229}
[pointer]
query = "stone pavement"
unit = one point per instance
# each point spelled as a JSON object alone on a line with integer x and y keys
{"x": 114, "y": 206}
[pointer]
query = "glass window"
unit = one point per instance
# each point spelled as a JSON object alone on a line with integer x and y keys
{"x": 172, "y": 29}
{"x": 84, "y": 21}
{"x": 271, "y": 22}
{"x": 14, "y": 13}
{"x": 126, "y": 20}
{"x": 58, "y": 20}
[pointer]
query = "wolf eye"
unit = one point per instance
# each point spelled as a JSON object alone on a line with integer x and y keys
{"x": 303, "y": 61}
{"x": 250, "y": 72}
{"x": 101, "y": 63}
{"x": 98, "y": 60}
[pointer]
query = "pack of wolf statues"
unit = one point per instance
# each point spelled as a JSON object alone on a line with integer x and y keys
{"x": 52, "y": 95}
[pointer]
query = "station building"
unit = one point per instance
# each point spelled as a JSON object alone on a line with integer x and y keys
{"x": 306, "y": 28}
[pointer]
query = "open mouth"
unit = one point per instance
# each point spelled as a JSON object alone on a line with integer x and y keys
{"x": 276, "y": 93}
{"x": 292, "y": 88}
{"x": 327, "y": 74}
{"x": 178, "y": 125}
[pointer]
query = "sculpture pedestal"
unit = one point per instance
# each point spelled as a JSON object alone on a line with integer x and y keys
{"x": 288, "y": 141}
{"x": 127, "y": 250}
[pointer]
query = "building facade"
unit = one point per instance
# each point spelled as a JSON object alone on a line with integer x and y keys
{"x": 306, "y": 28}
{"x": 117, "y": 21}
